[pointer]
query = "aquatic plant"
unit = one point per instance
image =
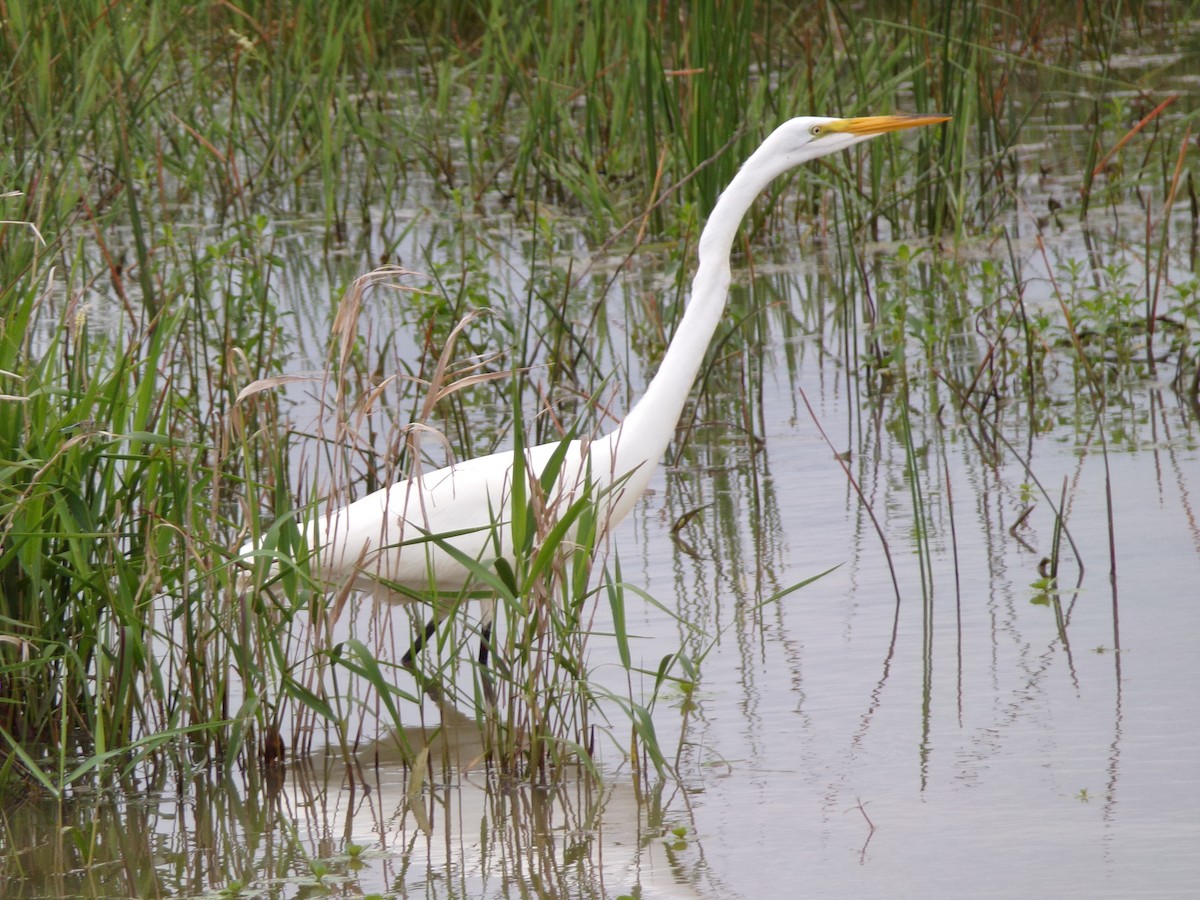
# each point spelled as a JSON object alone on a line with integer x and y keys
{"x": 175, "y": 170}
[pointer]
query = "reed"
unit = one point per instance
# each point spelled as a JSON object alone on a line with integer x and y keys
{"x": 173, "y": 166}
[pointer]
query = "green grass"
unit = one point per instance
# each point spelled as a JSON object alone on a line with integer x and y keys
{"x": 176, "y": 167}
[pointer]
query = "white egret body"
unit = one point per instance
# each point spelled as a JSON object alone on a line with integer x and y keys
{"x": 379, "y": 543}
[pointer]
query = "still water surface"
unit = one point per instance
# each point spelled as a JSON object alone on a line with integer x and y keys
{"x": 952, "y": 743}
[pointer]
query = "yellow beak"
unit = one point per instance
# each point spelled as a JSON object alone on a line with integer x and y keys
{"x": 881, "y": 124}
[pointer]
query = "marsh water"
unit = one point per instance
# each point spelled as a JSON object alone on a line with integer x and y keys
{"x": 932, "y": 717}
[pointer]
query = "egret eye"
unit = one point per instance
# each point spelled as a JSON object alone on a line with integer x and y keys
{"x": 816, "y": 130}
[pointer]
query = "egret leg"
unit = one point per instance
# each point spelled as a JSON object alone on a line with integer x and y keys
{"x": 485, "y": 643}
{"x": 485, "y": 646}
{"x": 418, "y": 644}
{"x": 428, "y": 685}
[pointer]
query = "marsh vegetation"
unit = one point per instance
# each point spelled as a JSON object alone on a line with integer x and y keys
{"x": 973, "y": 354}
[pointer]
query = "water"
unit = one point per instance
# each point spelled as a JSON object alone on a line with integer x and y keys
{"x": 953, "y": 742}
{"x": 844, "y": 744}
{"x": 992, "y": 758}
{"x": 994, "y": 755}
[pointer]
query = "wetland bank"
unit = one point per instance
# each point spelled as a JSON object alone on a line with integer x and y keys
{"x": 958, "y": 381}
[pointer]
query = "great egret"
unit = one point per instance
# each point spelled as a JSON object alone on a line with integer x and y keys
{"x": 381, "y": 543}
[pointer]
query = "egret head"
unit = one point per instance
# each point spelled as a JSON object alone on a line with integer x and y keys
{"x": 807, "y": 137}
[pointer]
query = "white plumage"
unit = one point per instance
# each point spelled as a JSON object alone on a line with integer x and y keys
{"x": 380, "y": 542}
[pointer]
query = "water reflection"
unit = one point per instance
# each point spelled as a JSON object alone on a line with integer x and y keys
{"x": 463, "y": 834}
{"x": 328, "y": 827}
{"x": 990, "y": 706}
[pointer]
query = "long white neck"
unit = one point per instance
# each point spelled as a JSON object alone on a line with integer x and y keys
{"x": 641, "y": 440}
